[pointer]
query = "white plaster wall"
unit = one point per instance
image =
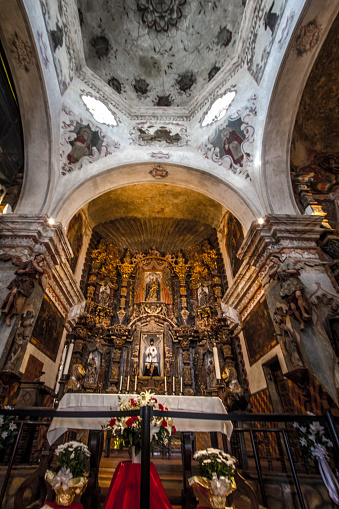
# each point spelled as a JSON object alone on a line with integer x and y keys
{"x": 255, "y": 373}
{"x": 50, "y": 368}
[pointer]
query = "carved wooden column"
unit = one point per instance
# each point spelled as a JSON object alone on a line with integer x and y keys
{"x": 126, "y": 268}
{"x": 184, "y": 335}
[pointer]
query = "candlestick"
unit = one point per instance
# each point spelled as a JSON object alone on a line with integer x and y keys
{"x": 216, "y": 362}
{"x": 181, "y": 385}
{"x": 120, "y": 384}
{"x": 127, "y": 388}
{"x": 165, "y": 384}
{"x": 68, "y": 359}
{"x": 173, "y": 384}
{"x": 135, "y": 383}
{"x": 61, "y": 367}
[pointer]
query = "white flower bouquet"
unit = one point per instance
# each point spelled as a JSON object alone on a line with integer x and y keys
{"x": 8, "y": 429}
{"x": 313, "y": 441}
{"x": 73, "y": 456}
{"x": 214, "y": 461}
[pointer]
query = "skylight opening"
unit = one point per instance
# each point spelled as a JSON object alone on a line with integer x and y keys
{"x": 99, "y": 111}
{"x": 218, "y": 108}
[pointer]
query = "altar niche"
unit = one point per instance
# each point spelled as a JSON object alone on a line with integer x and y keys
{"x": 151, "y": 354}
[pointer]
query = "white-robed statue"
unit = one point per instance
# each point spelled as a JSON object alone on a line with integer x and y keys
{"x": 151, "y": 360}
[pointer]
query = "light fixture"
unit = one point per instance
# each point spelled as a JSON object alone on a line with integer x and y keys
{"x": 261, "y": 220}
{"x": 99, "y": 110}
{"x": 218, "y": 108}
{"x": 51, "y": 221}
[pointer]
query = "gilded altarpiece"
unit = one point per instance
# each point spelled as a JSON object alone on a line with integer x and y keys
{"x": 151, "y": 320}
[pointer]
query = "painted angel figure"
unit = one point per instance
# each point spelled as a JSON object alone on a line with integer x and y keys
{"x": 291, "y": 288}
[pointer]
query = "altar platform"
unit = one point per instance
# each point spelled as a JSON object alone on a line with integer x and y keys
{"x": 84, "y": 402}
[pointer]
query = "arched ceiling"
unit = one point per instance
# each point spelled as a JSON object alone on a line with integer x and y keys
{"x": 140, "y": 216}
{"x": 173, "y": 47}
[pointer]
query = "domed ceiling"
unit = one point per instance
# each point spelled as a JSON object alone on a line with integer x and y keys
{"x": 159, "y": 52}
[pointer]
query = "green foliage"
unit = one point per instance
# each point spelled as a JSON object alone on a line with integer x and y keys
{"x": 74, "y": 456}
{"x": 215, "y": 461}
{"x": 8, "y": 429}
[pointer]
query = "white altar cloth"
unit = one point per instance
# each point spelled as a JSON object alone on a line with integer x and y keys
{"x": 94, "y": 402}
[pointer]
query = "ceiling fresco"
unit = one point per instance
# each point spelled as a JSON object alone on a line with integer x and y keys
{"x": 159, "y": 53}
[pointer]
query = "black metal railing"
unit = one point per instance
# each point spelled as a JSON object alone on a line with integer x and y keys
{"x": 284, "y": 434}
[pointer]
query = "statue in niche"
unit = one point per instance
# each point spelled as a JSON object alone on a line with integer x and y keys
{"x": 22, "y": 286}
{"x": 151, "y": 360}
{"x": 151, "y": 354}
{"x": 203, "y": 296}
{"x": 211, "y": 374}
{"x": 104, "y": 295}
{"x": 92, "y": 370}
{"x": 292, "y": 288}
{"x": 153, "y": 252}
{"x": 153, "y": 287}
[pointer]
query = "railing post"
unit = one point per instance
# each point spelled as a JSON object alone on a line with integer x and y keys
{"x": 145, "y": 414}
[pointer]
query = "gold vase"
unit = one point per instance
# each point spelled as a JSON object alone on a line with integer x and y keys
{"x": 65, "y": 498}
{"x": 202, "y": 490}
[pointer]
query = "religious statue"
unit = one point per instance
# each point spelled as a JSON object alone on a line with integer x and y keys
{"x": 104, "y": 295}
{"x": 75, "y": 381}
{"x": 203, "y": 297}
{"x": 292, "y": 288}
{"x": 92, "y": 370}
{"x": 153, "y": 252}
{"x": 152, "y": 288}
{"x": 211, "y": 374}
{"x": 289, "y": 339}
{"x": 151, "y": 360}
{"x": 22, "y": 287}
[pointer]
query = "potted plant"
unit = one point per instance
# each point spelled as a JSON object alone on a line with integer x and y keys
{"x": 216, "y": 479}
{"x": 70, "y": 479}
{"x": 127, "y": 430}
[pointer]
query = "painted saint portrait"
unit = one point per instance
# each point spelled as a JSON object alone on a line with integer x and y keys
{"x": 234, "y": 239}
{"x": 48, "y": 329}
{"x": 83, "y": 144}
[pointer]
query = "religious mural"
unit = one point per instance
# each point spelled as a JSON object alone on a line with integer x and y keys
{"x": 307, "y": 38}
{"x": 48, "y": 329}
{"x": 231, "y": 144}
{"x": 81, "y": 143}
{"x": 259, "y": 332}
{"x": 75, "y": 238}
{"x": 175, "y": 134}
{"x": 263, "y": 37}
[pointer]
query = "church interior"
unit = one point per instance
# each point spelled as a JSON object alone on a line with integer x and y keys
{"x": 169, "y": 222}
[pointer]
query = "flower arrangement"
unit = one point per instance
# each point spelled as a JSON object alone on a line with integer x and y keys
{"x": 216, "y": 480}
{"x": 214, "y": 461}
{"x": 313, "y": 441}
{"x": 70, "y": 480}
{"x": 8, "y": 429}
{"x": 127, "y": 430}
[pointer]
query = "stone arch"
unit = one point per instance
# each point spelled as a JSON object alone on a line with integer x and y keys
{"x": 282, "y": 111}
{"x": 17, "y": 31}
{"x": 181, "y": 176}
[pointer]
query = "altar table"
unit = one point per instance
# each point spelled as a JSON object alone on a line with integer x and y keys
{"x": 124, "y": 491}
{"x": 95, "y": 402}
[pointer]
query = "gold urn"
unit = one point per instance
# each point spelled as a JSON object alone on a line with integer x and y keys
{"x": 65, "y": 498}
{"x": 206, "y": 496}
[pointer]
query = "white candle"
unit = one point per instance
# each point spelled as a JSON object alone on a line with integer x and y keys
{"x": 165, "y": 384}
{"x": 135, "y": 383}
{"x": 173, "y": 384}
{"x": 216, "y": 362}
{"x": 61, "y": 367}
{"x": 120, "y": 385}
{"x": 181, "y": 384}
{"x": 68, "y": 359}
{"x": 127, "y": 388}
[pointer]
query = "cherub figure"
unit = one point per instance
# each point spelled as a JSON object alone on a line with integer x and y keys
{"x": 22, "y": 286}
{"x": 291, "y": 288}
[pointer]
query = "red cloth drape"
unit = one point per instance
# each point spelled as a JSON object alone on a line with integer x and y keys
{"x": 76, "y": 505}
{"x": 124, "y": 491}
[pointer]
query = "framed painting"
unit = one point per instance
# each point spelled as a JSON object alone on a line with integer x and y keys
{"x": 48, "y": 329}
{"x": 259, "y": 332}
{"x": 151, "y": 354}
